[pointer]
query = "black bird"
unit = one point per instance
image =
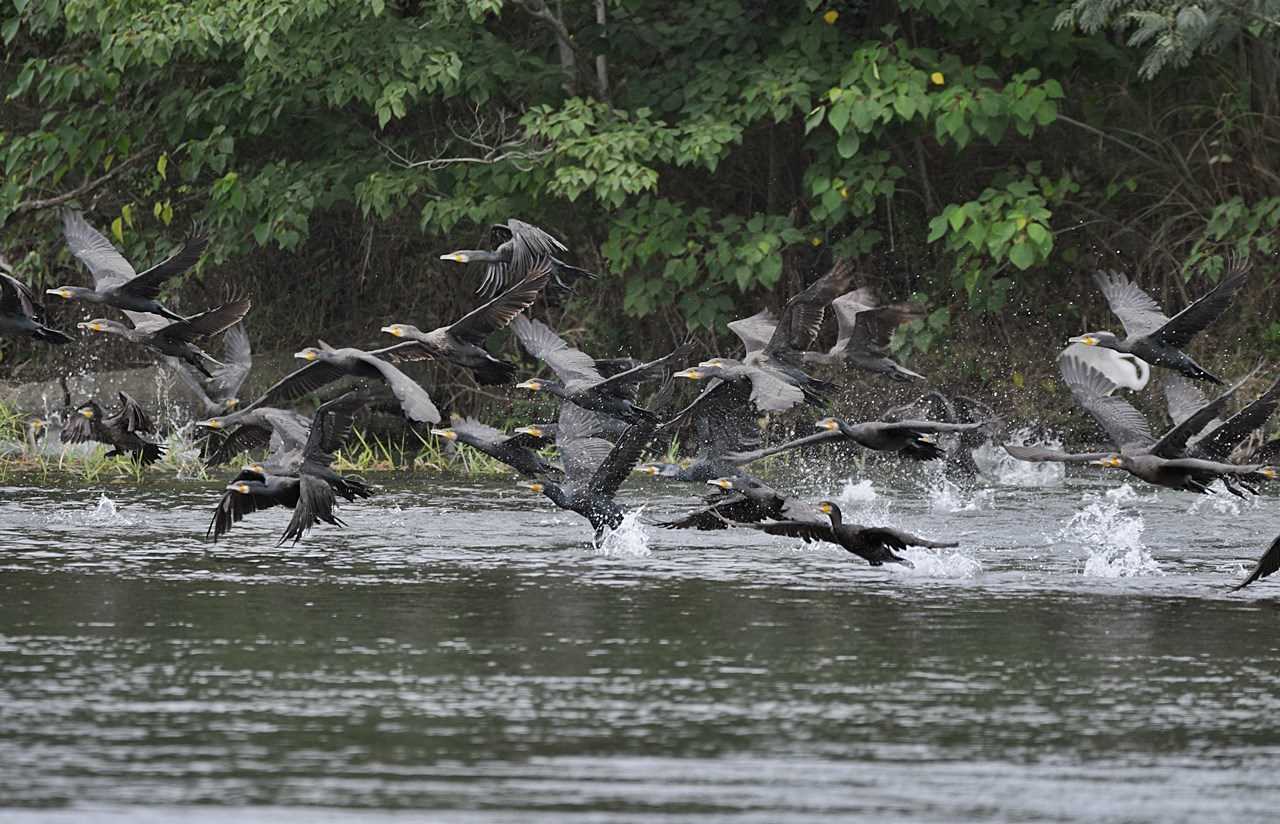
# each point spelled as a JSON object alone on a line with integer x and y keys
{"x": 311, "y": 492}
{"x": 519, "y": 247}
{"x": 1162, "y": 461}
{"x": 1267, "y": 564}
{"x": 864, "y": 332}
{"x": 516, "y": 451}
{"x": 115, "y": 282}
{"x": 177, "y": 338}
{"x": 580, "y": 380}
{"x": 1218, "y": 439}
{"x": 284, "y": 430}
{"x": 326, "y": 365}
{"x": 590, "y": 486}
{"x": 740, "y": 499}
{"x": 874, "y": 544}
{"x": 120, "y": 431}
{"x": 219, "y": 395}
{"x": 21, "y": 316}
{"x": 916, "y": 440}
{"x": 766, "y": 389}
{"x": 462, "y": 342}
{"x": 1154, "y": 337}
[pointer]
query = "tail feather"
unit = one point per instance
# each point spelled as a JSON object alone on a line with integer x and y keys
{"x": 494, "y": 372}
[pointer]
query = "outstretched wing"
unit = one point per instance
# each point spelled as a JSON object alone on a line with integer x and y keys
{"x": 245, "y": 438}
{"x": 1040, "y": 454}
{"x": 755, "y": 331}
{"x": 622, "y": 460}
{"x": 801, "y": 319}
{"x": 1137, "y": 311}
{"x": 205, "y": 324}
{"x": 1179, "y": 330}
{"x": 298, "y": 383}
{"x": 1226, "y": 436}
{"x": 825, "y": 436}
{"x": 1267, "y": 564}
{"x": 237, "y": 360}
{"x": 541, "y": 342}
{"x": 233, "y": 506}
{"x": 132, "y": 416}
{"x": 415, "y": 402}
{"x": 104, "y": 261}
{"x": 643, "y": 372}
{"x": 1124, "y": 425}
{"x": 1173, "y": 443}
{"x": 1182, "y": 397}
{"x": 149, "y": 283}
{"x": 479, "y": 323}
{"x": 330, "y": 427}
{"x": 315, "y": 503}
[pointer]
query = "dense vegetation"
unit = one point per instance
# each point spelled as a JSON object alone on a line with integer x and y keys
{"x": 979, "y": 155}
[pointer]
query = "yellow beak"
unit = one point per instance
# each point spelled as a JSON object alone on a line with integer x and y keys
{"x": 393, "y": 330}
{"x": 87, "y": 413}
{"x": 533, "y": 431}
{"x": 691, "y": 374}
{"x": 455, "y": 256}
{"x": 824, "y": 508}
{"x": 306, "y": 355}
{"x": 533, "y": 385}
{"x": 723, "y": 483}
{"x": 212, "y": 423}
{"x": 829, "y": 424}
{"x": 448, "y": 434}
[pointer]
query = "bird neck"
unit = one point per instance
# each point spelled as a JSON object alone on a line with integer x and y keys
{"x": 555, "y": 492}
{"x": 484, "y": 256}
{"x": 835, "y": 516}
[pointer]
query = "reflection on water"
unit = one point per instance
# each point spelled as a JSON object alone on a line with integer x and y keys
{"x": 468, "y": 650}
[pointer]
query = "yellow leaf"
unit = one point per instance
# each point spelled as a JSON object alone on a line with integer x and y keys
{"x": 815, "y": 241}
{"x": 937, "y": 79}
{"x": 1022, "y": 223}
{"x": 831, "y": 17}
{"x": 1019, "y": 380}
{"x": 162, "y": 165}
{"x": 127, "y": 214}
{"x": 117, "y": 229}
{"x": 844, "y": 192}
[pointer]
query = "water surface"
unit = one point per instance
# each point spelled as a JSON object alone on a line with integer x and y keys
{"x": 462, "y": 648}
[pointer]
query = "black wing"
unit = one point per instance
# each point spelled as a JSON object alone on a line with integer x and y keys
{"x": 216, "y": 320}
{"x": 825, "y": 436}
{"x": 233, "y": 506}
{"x": 801, "y": 318}
{"x": 1040, "y": 454}
{"x": 316, "y": 501}
{"x": 1173, "y": 443}
{"x": 1267, "y": 564}
{"x": 1183, "y": 326}
{"x": 243, "y": 439}
{"x": 479, "y": 323}
{"x": 330, "y": 428}
{"x": 1222, "y": 440}
{"x": 621, "y": 461}
{"x": 149, "y": 283}
{"x": 298, "y": 383}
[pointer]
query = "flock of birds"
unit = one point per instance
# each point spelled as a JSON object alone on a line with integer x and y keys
{"x": 603, "y": 433}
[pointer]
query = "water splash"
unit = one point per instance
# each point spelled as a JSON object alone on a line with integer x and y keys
{"x": 938, "y": 563}
{"x": 1112, "y": 535}
{"x": 998, "y": 465}
{"x": 1220, "y": 501}
{"x": 947, "y": 496}
{"x": 630, "y": 538}
{"x": 105, "y": 511}
{"x": 860, "y": 492}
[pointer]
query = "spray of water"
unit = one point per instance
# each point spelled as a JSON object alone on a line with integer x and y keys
{"x": 938, "y": 563}
{"x": 946, "y": 495}
{"x": 1002, "y": 468}
{"x": 1112, "y": 535}
{"x": 630, "y": 538}
{"x": 1220, "y": 502}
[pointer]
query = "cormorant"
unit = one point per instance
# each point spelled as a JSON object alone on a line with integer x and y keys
{"x": 591, "y": 486}
{"x": 516, "y": 451}
{"x": 518, "y": 248}
{"x": 1151, "y": 335}
{"x": 864, "y": 329}
{"x": 219, "y": 395}
{"x": 874, "y": 544}
{"x": 740, "y": 498}
{"x": 310, "y": 494}
{"x": 177, "y": 338}
{"x": 326, "y": 365}
{"x": 1161, "y": 462}
{"x": 916, "y": 440}
{"x": 115, "y": 282}
{"x": 285, "y": 431}
{"x": 580, "y": 380}
{"x": 22, "y": 316}
{"x": 120, "y": 431}
{"x": 462, "y": 342}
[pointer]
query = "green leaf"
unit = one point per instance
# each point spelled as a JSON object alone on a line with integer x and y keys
{"x": 814, "y": 119}
{"x": 1022, "y": 255}
{"x": 848, "y": 144}
{"x": 117, "y": 230}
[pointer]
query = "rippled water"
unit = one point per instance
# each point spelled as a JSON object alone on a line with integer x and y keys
{"x": 463, "y": 648}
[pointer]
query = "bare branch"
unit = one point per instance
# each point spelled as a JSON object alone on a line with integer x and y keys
{"x": 80, "y": 191}
{"x": 496, "y": 137}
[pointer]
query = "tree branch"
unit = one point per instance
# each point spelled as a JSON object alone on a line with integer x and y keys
{"x": 80, "y": 191}
{"x": 564, "y": 41}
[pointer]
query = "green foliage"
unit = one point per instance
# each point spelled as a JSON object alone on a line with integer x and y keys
{"x": 966, "y": 150}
